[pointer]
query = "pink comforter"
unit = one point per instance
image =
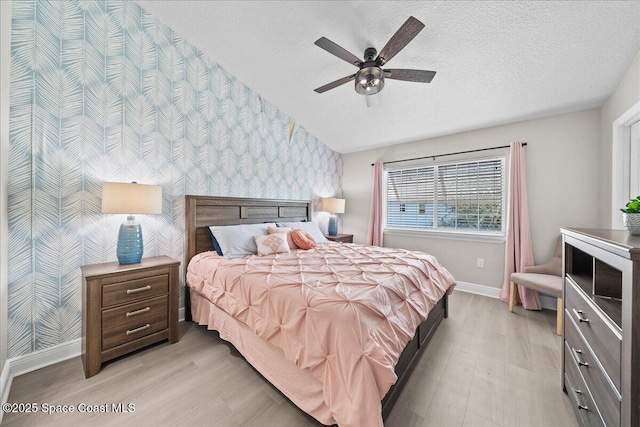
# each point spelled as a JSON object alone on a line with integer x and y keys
{"x": 344, "y": 312}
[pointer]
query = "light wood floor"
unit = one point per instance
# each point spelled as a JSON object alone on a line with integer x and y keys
{"x": 484, "y": 367}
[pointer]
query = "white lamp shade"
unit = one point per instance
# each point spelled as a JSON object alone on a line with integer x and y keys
{"x": 333, "y": 205}
{"x": 131, "y": 199}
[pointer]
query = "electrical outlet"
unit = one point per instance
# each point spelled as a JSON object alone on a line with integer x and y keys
{"x": 480, "y": 263}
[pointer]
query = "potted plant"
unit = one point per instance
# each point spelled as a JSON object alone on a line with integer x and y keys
{"x": 631, "y": 216}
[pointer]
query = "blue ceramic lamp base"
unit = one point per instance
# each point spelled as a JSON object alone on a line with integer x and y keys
{"x": 130, "y": 248}
{"x": 333, "y": 226}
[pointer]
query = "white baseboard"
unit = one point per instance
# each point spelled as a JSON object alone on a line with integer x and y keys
{"x": 20, "y": 365}
{"x": 473, "y": 288}
{"x": 39, "y": 359}
{"x": 5, "y": 385}
{"x": 547, "y": 302}
{"x": 26, "y": 363}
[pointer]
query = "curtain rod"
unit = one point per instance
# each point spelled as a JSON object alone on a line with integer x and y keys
{"x": 449, "y": 154}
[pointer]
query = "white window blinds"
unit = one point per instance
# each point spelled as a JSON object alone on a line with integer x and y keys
{"x": 460, "y": 196}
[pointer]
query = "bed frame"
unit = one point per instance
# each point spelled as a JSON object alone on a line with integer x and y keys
{"x": 203, "y": 211}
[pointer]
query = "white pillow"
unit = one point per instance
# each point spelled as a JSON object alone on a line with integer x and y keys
{"x": 309, "y": 227}
{"x": 272, "y": 244}
{"x": 237, "y": 240}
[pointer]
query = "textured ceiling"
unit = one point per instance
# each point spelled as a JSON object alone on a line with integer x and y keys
{"x": 496, "y": 62}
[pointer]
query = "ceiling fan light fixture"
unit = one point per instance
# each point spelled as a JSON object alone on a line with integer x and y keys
{"x": 372, "y": 100}
{"x": 369, "y": 80}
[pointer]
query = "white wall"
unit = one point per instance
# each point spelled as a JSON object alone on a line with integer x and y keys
{"x": 624, "y": 97}
{"x": 562, "y": 172}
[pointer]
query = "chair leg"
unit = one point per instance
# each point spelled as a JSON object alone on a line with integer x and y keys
{"x": 512, "y": 296}
{"x": 559, "y": 316}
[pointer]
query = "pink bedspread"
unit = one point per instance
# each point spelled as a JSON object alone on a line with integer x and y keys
{"x": 344, "y": 312}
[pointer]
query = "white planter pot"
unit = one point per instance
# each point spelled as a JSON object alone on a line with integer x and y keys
{"x": 632, "y": 222}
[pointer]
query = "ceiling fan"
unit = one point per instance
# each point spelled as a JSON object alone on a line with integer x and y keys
{"x": 369, "y": 79}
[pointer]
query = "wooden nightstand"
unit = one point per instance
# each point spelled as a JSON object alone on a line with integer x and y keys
{"x": 342, "y": 238}
{"x": 127, "y": 307}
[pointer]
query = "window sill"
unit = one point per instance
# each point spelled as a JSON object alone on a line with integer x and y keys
{"x": 447, "y": 235}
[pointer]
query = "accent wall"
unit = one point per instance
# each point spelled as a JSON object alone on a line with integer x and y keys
{"x": 102, "y": 91}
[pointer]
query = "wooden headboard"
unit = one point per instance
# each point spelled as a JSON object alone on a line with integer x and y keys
{"x": 203, "y": 211}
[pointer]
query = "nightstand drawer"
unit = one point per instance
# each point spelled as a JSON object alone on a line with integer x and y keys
{"x": 580, "y": 354}
{"x": 605, "y": 343}
{"x": 133, "y": 330}
{"x": 134, "y": 290}
{"x": 134, "y": 313}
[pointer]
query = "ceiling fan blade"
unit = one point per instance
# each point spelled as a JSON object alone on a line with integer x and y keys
{"x": 335, "y": 84}
{"x": 338, "y": 51}
{"x": 422, "y": 76}
{"x": 400, "y": 39}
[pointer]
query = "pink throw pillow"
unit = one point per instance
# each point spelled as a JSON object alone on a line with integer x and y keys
{"x": 277, "y": 230}
{"x": 303, "y": 240}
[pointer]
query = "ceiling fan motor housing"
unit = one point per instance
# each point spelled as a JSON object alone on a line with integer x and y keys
{"x": 370, "y": 54}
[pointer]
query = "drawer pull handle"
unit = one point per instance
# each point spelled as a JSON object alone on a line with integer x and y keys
{"x": 136, "y": 290}
{"x": 579, "y": 357}
{"x": 140, "y": 329}
{"x": 136, "y": 312}
{"x": 580, "y": 405}
{"x": 581, "y": 316}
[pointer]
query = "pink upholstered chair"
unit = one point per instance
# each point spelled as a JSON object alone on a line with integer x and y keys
{"x": 545, "y": 278}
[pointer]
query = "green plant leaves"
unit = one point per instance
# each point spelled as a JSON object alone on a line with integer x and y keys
{"x": 633, "y": 206}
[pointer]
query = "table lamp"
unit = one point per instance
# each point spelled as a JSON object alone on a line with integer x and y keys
{"x": 333, "y": 206}
{"x": 130, "y": 199}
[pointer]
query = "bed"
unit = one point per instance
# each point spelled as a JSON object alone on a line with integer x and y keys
{"x": 281, "y": 364}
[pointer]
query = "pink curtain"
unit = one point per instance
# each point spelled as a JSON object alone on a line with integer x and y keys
{"x": 374, "y": 235}
{"x": 518, "y": 250}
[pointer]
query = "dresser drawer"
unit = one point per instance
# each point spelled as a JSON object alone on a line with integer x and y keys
{"x": 581, "y": 355}
{"x": 134, "y": 290}
{"x": 137, "y": 328}
{"x": 605, "y": 342}
{"x": 579, "y": 394}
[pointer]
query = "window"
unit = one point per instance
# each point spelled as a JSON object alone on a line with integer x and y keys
{"x": 465, "y": 196}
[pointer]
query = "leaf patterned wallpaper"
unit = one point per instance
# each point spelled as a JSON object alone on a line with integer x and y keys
{"x": 103, "y": 91}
